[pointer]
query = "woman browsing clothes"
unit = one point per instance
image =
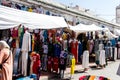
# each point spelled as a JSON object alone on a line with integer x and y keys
{"x": 6, "y": 63}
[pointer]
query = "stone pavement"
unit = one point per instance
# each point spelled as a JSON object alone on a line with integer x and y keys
{"x": 109, "y": 71}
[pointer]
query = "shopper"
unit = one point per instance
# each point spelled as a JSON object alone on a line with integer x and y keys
{"x": 6, "y": 61}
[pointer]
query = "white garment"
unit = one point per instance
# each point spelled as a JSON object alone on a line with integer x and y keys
{"x": 26, "y": 46}
{"x": 41, "y": 35}
{"x": 101, "y": 46}
{"x": 118, "y": 52}
{"x": 85, "y": 60}
{"x": 102, "y": 57}
{"x": 45, "y": 49}
{"x": 115, "y": 53}
{"x": 36, "y": 31}
{"x": 65, "y": 44}
{"x": 40, "y": 10}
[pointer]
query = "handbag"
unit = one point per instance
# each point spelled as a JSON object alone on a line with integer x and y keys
{"x": 5, "y": 61}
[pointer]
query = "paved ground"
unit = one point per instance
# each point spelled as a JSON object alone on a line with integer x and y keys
{"x": 109, "y": 71}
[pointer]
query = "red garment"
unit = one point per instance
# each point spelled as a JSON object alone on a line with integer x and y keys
{"x": 55, "y": 64}
{"x": 36, "y": 63}
{"x": 49, "y": 66}
{"x": 74, "y": 50}
{"x": 50, "y": 32}
{"x": 13, "y": 44}
{"x": 14, "y": 33}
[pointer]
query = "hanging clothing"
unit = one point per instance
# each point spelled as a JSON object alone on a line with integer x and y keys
{"x": 30, "y": 10}
{"x": 84, "y": 45}
{"x": 102, "y": 57}
{"x": 74, "y": 50}
{"x": 33, "y": 42}
{"x": 44, "y": 62}
{"x": 41, "y": 35}
{"x": 45, "y": 49}
{"x": 24, "y": 8}
{"x": 40, "y": 10}
{"x": 20, "y": 34}
{"x": 109, "y": 47}
{"x": 113, "y": 42}
{"x": 49, "y": 64}
{"x": 45, "y": 35}
{"x": 44, "y": 57}
{"x": 96, "y": 51}
{"x": 65, "y": 47}
{"x": 5, "y": 34}
{"x": 55, "y": 64}
{"x": 101, "y": 46}
{"x": 14, "y": 33}
{"x": 7, "y": 67}
{"x": 38, "y": 44}
{"x": 91, "y": 46}
{"x": 29, "y": 61}
{"x": 26, "y": 46}
{"x": 18, "y": 6}
{"x": 15, "y": 63}
{"x": 97, "y": 54}
{"x": 118, "y": 45}
{"x": 88, "y": 45}
{"x": 47, "y": 13}
{"x": 57, "y": 50}
{"x": 64, "y": 36}
{"x": 96, "y": 46}
{"x": 85, "y": 59}
{"x": 19, "y": 63}
{"x": 36, "y": 63}
{"x": 50, "y": 49}
{"x": 80, "y": 47}
{"x": 114, "y": 53}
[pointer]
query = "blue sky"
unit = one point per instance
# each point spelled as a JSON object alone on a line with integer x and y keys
{"x": 102, "y": 8}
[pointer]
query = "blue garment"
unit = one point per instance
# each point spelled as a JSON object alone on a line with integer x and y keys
{"x": 24, "y": 8}
{"x": 57, "y": 50}
{"x": 113, "y": 42}
{"x": 47, "y": 12}
{"x": 45, "y": 34}
{"x": 80, "y": 49}
{"x": 15, "y": 64}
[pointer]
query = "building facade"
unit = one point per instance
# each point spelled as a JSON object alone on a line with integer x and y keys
{"x": 72, "y": 15}
{"x": 118, "y": 14}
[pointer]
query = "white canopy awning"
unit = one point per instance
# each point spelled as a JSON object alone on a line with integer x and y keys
{"x": 12, "y": 17}
{"x": 85, "y": 28}
{"x": 109, "y": 34}
{"x": 117, "y": 32}
{"x": 7, "y": 25}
